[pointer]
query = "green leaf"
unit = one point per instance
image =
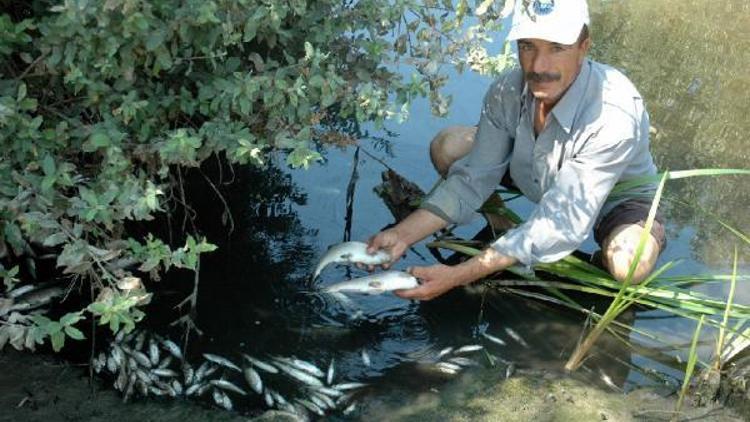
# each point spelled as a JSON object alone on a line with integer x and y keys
{"x": 58, "y": 340}
{"x": 100, "y": 140}
{"x": 71, "y": 318}
{"x": 55, "y": 239}
{"x": 74, "y": 333}
{"x": 21, "y": 92}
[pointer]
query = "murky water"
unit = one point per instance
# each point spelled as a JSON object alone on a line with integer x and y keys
{"x": 689, "y": 60}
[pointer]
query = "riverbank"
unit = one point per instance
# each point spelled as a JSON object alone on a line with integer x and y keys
{"x": 39, "y": 388}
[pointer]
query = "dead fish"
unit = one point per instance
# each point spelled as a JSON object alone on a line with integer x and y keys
{"x": 349, "y": 409}
{"x": 222, "y": 399}
{"x": 165, "y": 362}
{"x": 278, "y": 398}
{"x": 165, "y": 372}
{"x": 227, "y": 385}
{"x": 329, "y": 374}
{"x": 141, "y": 358}
{"x": 447, "y": 367}
{"x": 156, "y": 391}
{"x": 153, "y": 352}
{"x": 140, "y": 339}
{"x": 458, "y": 360}
{"x": 374, "y": 284}
{"x": 301, "y": 375}
{"x": 222, "y": 361}
{"x": 268, "y": 399}
{"x": 310, "y": 406}
{"x": 188, "y": 374}
{"x": 318, "y": 402}
{"x": 202, "y": 371}
{"x": 325, "y": 399}
{"x": 517, "y": 337}
{"x": 468, "y": 348}
{"x": 350, "y": 253}
{"x": 193, "y": 389}
{"x": 348, "y": 386}
{"x": 444, "y": 352}
{"x": 253, "y": 379}
{"x": 302, "y": 365}
{"x": 365, "y": 357}
{"x": 37, "y": 297}
{"x": 261, "y": 365}
{"x": 332, "y": 392}
{"x": 493, "y": 339}
{"x": 177, "y": 387}
{"x": 172, "y": 348}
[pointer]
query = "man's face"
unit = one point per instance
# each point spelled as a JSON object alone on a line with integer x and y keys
{"x": 550, "y": 68}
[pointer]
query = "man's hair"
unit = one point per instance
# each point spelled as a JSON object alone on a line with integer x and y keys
{"x": 584, "y": 34}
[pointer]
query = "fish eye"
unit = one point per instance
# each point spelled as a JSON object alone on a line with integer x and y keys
{"x": 375, "y": 284}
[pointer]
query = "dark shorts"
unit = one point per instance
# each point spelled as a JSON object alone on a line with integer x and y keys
{"x": 632, "y": 211}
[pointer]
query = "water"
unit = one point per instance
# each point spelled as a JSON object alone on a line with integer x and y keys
{"x": 688, "y": 59}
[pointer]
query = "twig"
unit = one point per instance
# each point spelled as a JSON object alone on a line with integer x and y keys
{"x": 31, "y": 66}
{"x": 350, "y": 189}
{"x": 228, "y": 212}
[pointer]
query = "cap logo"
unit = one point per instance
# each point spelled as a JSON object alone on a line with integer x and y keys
{"x": 543, "y": 7}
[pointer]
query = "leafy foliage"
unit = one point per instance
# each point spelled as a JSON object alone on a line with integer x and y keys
{"x": 103, "y": 102}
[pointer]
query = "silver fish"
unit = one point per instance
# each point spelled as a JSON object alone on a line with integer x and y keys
{"x": 365, "y": 357}
{"x": 351, "y": 408}
{"x": 303, "y": 365}
{"x": 193, "y": 389}
{"x": 301, "y": 375}
{"x": 310, "y": 406}
{"x": 468, "y": 348}
{"x": 226, "y": 385}
{"x": 325, "y": 399}
{"x": 348, "y": 386}
{"x": 319, "y": 402}
{"x": 331, "y": 392}
{"x": 329, "y": 374}
{"x": 165, "y": 362}
{"x": 165, "y": 372}
{"x": 459, "y": 360}
{"x": 141, "y": 387}
{"x": 445, "y": 352}
{"x": 253, "y": 379}
{"x": 509, "y": 370}
{"x": 222, "y": 361}
{"x": 141, "y": 358}
{"x": 222, "y": 399}
{"x": 153, "y": 352}
{"x": 172, "y": 348}
{"x": 188, "y": 374}
{"x": 517, "y": 337}
{"x": 278, "y": 398}
{"x": 177, "y": 387}
{"x": 447, "y": 366}
{"x": 493, "y": 339}
{"x": 260, "y": 364}
{"x": 374, "y": 284}
{"x": 156, "y": 391}
{"x": 268, "y": 398}
{"x": 350, "y": 252}
{"x": 140, "y": 339}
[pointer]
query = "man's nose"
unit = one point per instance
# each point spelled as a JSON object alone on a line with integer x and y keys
{"x": 541, "y": 63}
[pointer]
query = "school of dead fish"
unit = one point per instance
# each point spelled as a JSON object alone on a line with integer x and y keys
{"x": 150, "y": 365}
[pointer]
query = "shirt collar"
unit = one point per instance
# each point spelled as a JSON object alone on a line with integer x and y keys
{"x": 565, "y": 109}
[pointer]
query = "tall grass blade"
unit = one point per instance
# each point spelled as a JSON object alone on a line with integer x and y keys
{"x": 720, "y": 343}
{"x": 692, "y": 359}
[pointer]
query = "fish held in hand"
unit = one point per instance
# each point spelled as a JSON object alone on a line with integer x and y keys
{"x": 351, "y": 253}
{"x": 386, "y": 281}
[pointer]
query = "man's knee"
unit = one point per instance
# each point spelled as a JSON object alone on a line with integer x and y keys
{"x": 449, "y": 145}
{"x": 618, "y": 250}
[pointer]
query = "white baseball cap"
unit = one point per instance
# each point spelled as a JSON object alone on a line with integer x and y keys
{"x": 557, "y": 21}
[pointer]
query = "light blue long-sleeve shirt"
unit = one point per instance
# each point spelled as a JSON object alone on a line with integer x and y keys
{"x": 598, "y": 135}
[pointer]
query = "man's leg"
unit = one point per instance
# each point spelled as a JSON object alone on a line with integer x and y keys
{"x": 449, "y": 145}
{"x": 619, "y": 233}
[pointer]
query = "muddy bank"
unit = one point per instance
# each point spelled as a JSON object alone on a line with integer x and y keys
{"x": 539, "y": 396}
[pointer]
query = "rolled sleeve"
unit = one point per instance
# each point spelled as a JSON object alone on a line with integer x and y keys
{"x": 567, "y": 211}
{"x": 473, "y": 178}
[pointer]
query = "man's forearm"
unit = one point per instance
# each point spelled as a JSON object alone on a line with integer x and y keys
{"x": 418, "y": 225}
{"x": 489, "y": 261}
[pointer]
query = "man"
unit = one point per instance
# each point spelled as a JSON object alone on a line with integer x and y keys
{"x": 565, "y": 129}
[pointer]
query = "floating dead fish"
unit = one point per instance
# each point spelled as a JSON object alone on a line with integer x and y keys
{"x": 141, "y": 358}
{"x": 188, "y": 374}
{"x": 165, "y": 372}
{"x": 268, "y": 399}
{"x": 509, "y": 370}
{"x": 227, "y": 385}
{"x": 153, "y": 352}
{"x": 330, "y": 391}
{"x": 177, "y": 387}
{"x": 222, "y": 399}
{"x": 172, "y": 348}
{"x": 310, "y": 406}
{"x": 253, "y": 379}
{"x": 260, "y": 364}
{"x": 325, "y": 399}
{"x": 193, "y": 389}
{"x": 301, "y": 375}
{"x": 318, "y": 402}
{"x": 222, "y": 361}
{"x": 366, "y": 357}
{"x": 468, "y": 348}
{"x": 458, "y": 360}
{"x": 447, "y": 367}
{"x": 329, "y": 373}
{"x": 165, "y": 362}
{"x": 444, "y": 352}
{"x": 140, "y": 340}
{"x": 517, "y": 337}
{"x": 350, "y": 253}
{"x": 302, "y": 365}
{"x": 348, "y": 386}
{"x": 494, "y": 339}
{"x": 386, "y": 281}
{"x": 349, "y": 409}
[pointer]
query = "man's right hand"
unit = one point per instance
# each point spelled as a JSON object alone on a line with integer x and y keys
{"x": 390, "y": 241}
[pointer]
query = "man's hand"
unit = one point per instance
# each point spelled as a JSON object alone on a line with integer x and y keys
{"x": 435, "y": 280}
{"x": 390, "y": 241}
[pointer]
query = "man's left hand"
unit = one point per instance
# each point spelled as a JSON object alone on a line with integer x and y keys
{"x": 435, "y": 280}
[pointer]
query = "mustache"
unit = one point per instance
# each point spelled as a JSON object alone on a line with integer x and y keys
{"x": 542, "y": 77}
